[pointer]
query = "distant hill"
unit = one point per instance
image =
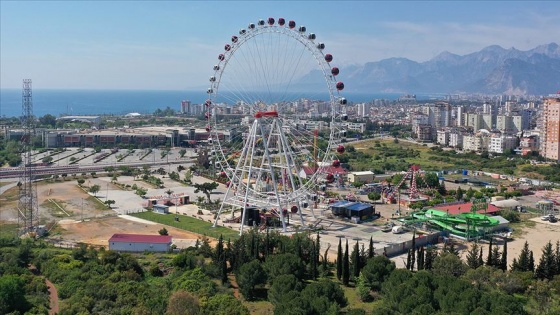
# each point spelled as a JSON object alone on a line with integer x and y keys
{"x": 492, "y": 70}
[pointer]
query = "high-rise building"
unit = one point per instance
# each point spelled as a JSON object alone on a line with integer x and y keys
{"x": 459, "y": 119}
{"x": 550, "y": 136}
{"x": 439, "y": 116}
{"x": 186, "y": 107}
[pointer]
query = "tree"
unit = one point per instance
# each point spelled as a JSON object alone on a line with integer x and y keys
{"x": 109, "y": 203}
{"x": 371, "y": 251}
{"x": 459, "y": 194}
{"x": 206, "y": 188}
{"x": 47, "y": 159}
{"x": 81, "y": 181}
{"x": 420, "y": 260}
{"x": 163, "y": 231}
{"x": 250, "y": 275}
{"x": 413, "y": 251}
{"x": 531, "y": 262}
{"x": 470, "y": 193}
{"x": 182, "y": 303}
{"x": 283, "y": 264}
{"x": 449, "y": 264}
{"x": 374, "y": 195}
{"x": 12, "y": 295}
{"x": 442, "y": 189}
{"x": 431, "y": 180}
{"x": 224, "y": 304}
{"x": 546, "y": 268}
{"x": 489, "y": 258}
{"x": 376, "y": 271}
{"x": 281, "y": 286}
{"x": 346, "y": 267}
{"x": 472, "y": 256}
{"x": 188, "y": 176}
{"x": 356, "y": 261}
{"x": 503, "y": 260}
{"x": 480, "y": 259}
{"x": 495, "y": 257}
{"x": 141, "y": 191}
{"x": 358, "y": 184}
{"x": 321, "y": 289}
{"x": 48, "y": 121}
{"x": 431, "y": 254}
{"x": 182, "y": 152}
{"x": 94, "y": 189}
{"x": 339, "y": 260}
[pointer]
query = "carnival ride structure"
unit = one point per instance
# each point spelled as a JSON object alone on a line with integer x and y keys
{"x": 392, "y": 193}
{"x": 267, "y": 79}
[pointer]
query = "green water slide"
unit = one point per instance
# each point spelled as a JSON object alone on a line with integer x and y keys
{"x": 465, "y": 224}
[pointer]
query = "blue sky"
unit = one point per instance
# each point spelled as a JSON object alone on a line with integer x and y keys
{"x": 173, "y": 45}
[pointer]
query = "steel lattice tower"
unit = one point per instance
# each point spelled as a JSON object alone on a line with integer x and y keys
{"x": 28, "y": 210}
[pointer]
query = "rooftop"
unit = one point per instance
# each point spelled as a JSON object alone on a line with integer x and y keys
{"x": 141, "y": 238}
{"x": 458, "y": 208}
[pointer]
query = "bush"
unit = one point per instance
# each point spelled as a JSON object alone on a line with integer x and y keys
{"x": 510, "y": 215}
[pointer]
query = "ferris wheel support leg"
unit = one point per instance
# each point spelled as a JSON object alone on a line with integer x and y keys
{"x": 252, "y": 138}
{"x": 274, "y": 182}
{"x": 289, "y": 162}
{"x": 222, "y": 207}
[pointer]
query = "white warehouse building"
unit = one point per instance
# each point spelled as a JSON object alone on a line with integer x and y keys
{"x": 140, "y": 243}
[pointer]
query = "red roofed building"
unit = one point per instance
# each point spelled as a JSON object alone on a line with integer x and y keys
{"x": 140, "y": 243}
{"x": 309, "y": 171}
{"x": 456, "y": 208}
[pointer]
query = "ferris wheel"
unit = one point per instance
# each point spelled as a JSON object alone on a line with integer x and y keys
{"x": 275, "y": 117}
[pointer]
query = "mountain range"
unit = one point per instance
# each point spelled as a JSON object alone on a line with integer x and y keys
{"x": 492, "y": 70}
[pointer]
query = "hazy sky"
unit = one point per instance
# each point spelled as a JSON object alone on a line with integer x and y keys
{"x": 173, "y": 45}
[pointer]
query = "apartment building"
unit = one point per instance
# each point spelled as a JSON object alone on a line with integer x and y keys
{"x": 550, "y": 136}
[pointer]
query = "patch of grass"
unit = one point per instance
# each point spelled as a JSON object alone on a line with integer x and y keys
{"x": 259, "y": 307}
{"x": 189, "y": 224}
{"x": 520, "y": 227}
{"x": 8, "y": 230}
{"x": 54, "y": 210}
{"x": 355, "y": 302}
{"x": 97, "y": 204}
{"x": 57, "y": 230}
{"x": 11, "y": 194}
{"x": 5, "y": 183}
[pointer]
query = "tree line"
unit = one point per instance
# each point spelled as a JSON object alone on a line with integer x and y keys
{"x": 293, "y": 273}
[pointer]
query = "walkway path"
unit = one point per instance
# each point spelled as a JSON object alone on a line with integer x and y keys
{"x": 53, "y": 292}
{"x": 53, "y": 296}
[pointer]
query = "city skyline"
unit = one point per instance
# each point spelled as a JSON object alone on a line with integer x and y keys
{"x": 173, "y": 45}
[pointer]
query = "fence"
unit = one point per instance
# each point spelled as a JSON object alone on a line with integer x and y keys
{"x": 131, "y": 211}
{"x": 401, "y": 248}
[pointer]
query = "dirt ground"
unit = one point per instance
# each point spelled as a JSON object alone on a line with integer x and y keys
{"x": 57, "y": 201}
{"x": 98, "y": 231}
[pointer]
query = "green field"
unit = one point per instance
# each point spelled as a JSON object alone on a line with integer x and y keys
{"x": 390, "y": 155}
{"x": 189, "y": 224}
{"x": 8, "y": 230}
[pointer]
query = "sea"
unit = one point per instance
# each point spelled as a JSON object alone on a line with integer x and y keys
{"x": 122, "y": 102}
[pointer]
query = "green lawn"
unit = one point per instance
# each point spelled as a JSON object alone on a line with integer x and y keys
{"x": 8, "y": 230}
{"x": 387, "y": 155}
{"x": 355, "y": 302}
{"x": 189, "y": 224}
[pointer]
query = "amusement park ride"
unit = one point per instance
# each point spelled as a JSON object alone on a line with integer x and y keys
{"x": 467, "y": 225}
{"x": 392, "y": 194}
{"x": 271, "y": 67}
